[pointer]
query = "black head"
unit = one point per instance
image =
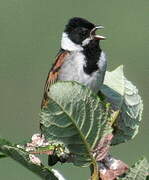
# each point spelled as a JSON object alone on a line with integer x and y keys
{"x": 79, "y": 29}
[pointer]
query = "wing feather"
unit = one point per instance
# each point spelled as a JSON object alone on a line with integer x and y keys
{"x": 53, "y": 75}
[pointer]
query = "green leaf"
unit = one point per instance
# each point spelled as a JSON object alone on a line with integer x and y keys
{"x": 76, "y": 117}
{"x": 124, "y": 97}
{"x": 21, "y": 156}
{"x": 138, "y": 172}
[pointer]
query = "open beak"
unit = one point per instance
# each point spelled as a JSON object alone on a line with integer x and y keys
{"x": 93, "y": 34}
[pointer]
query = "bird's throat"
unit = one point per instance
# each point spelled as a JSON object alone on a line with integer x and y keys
{"x": 92, "y": 54}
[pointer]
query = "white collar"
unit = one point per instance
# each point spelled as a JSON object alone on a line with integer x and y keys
{"x": 67, "y": 44}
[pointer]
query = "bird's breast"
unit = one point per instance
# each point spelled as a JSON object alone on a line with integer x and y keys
{"x": 72, "y": 70}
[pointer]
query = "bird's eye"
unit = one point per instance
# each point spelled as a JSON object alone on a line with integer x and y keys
{"x": 84, "y": 31}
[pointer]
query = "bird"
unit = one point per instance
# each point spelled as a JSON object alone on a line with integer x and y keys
{"x": 80, "y": 57}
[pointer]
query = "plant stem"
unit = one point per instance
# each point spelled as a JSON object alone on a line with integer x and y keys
{"x": 22, "y": 157}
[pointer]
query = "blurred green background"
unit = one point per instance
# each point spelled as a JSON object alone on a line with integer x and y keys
{"x": 30, "y": 32}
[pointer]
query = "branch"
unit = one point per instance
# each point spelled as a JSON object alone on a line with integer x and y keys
{"x": 24, "y": 158}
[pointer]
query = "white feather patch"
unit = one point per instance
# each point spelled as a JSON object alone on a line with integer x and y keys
{"x": 86, "y": 41}
{"x": 67, "y": 44}
{"x": 102, "y": 63}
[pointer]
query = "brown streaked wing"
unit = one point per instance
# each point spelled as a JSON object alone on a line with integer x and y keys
{"x": 53, "y": 75}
